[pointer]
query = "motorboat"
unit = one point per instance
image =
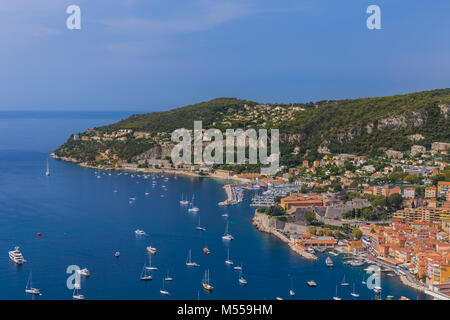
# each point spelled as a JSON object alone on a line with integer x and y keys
{"x": 16, "y": 256}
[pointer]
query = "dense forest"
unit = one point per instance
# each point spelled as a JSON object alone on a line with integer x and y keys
{"x": 362, "y": 126}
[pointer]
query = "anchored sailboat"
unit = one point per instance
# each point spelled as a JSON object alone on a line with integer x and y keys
{"x": 199, "y": 227}
{"x": 336, "y": 296}
{"x": 353, "y": 293}
{"x": 76, "y": 294}
{"x": 227, "y": 235}
{"x": 344, "y": 283}
{"x": 47, "y": 172}
{"x": 144, "y": 275}
{"x": 150, "y": 267}
{"x": 189, "y": 261}
{"x": 193, "y": 208}
{"x": 228, "y": 261}
{"x": 29, "y": 288}
{"x": 163, "y": 291}
{"x": 206, "y": 283}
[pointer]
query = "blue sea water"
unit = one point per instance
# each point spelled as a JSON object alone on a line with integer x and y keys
{"x": 83, "y": 222}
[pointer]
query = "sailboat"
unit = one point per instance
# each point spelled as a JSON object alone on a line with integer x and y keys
{"x": 353, "y": 293}
{"x": 228, "y": 261}
{"x": 241, "y": 279}
{"x": 336, "y": 296}
{"x": 47, "y": 172}
{"x": 292, "y": 292}
{"x": 238, "y": 267}
{"x": 29, "y": 288}
{"x": 150, "y": 267}
{"x": 163, "y": 291}
{"x": 205, "y": 282}
{"x": 193, "y": 208}
{"x": 199, "y": 227}
{"x": 227, "y": 235}
{"x": 189, "y": 262}
{"x": 76, "y": 294}
{"x": 144, "y": 275}
{"x": 183, "y": 202}
{"x": 168, "y": 278}
{"x": 343, "y": 283}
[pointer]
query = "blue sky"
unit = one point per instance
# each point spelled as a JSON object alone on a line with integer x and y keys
{"x": 153, "y": 55}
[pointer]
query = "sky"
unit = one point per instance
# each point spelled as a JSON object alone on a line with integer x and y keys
{"x": 151, "y": 55}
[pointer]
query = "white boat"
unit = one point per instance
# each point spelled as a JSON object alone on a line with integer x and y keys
{"x": 164, "y": 291}
{"x": 311, "y": 250}
{"x": 344, "y": 283}
{"x": 336, "y": 297}
{"x": 238, "y": 267}
{"x": 199, "y": 227}
{"x": 193, "y": 208}
{"x": 242, "y": 279}
{"x": 227, "y": 235}
{"x": 144, "y": 276}
{"x": 225, "y": 215}
{"x": 150, "y": 267}
{"x": 168, "y": 278}
{"x": 84, "y": 272}
{"x": 189, "y": 261}
{"x": 329, "y": 262}
{"x": 228, "y": 261}
{"x": 151, "y": 250}
{"x": 140, "y": 232}
{"x": 206, "y": 283}
{"x": 353, "y": 293}
{"x": 183, "y": 202}
{"x": 76, "y": 294}
{"x": 29, "y": 287}
{"x": 291, "y": 293}
{"x": 377, "y": 289}
{"x": 311, "y": 283}
{"x": 334, "y": 253}
{"x": 47, "y": 172}
{"x": 117, "y": 254}
{"x": 16, "y": 256}
{"x": 279, "y": 298}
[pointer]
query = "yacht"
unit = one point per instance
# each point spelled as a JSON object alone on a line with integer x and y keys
{"x": 189, "y": 262}
{"x": 151, "y": 250}
{"x": 242, "y": 279}
{"x": 29, "y": 288}
{"x": 144, "y": 275}
{"x": 76, "y": 294}
{"x": 168, "y": 278}
{"x": 16, "y": 256}
{"x": 84, "y": 272}
{"x": 150, "y": 267}
{"x": 183, "y": 202}
{"x": 205, "y": 282}
{"x": 193, "y": 208}
{"x": 329, "y": 262}
{"x": 353, "y": 293}
{"x": 311, "y": 283}
{"x": 140, "y": 232}
{"x": 163, "y": 291}
{"x": 227, "y": 235}
{"x": 199, "y": 227}
{"x": 344, "y": 283}
{"x": 47, "y": 172}
{"x": 336, "y": 296}
{"x": 228, "y": 261}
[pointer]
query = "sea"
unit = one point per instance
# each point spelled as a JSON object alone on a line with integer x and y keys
{"x": 79, "y": 217}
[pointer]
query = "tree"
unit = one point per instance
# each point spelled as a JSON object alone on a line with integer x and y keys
{"x": 328, "y": 232}
{"x": 310, "y": 217}
{"x": 312, "y": 230}
{"x": 357, "y": 233}
{"x": 395, "y": 201}
{"x": 321, "y": 232}
{"x": 337, "y": 234}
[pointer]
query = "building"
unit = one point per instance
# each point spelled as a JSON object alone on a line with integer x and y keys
{"x": 297, "y": 200}
{"x": 438, "y": 146}
{"x": 409, "y": 193}
{"x": 418, "y": 149}
{"x": 430, "y": 192}
{"x": 443, "y": 188}
{"x": 425, "y": 214}
{"x": 394, "y": 154}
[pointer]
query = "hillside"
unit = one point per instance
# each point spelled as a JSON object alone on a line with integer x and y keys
{"x": 361, "y": 126}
